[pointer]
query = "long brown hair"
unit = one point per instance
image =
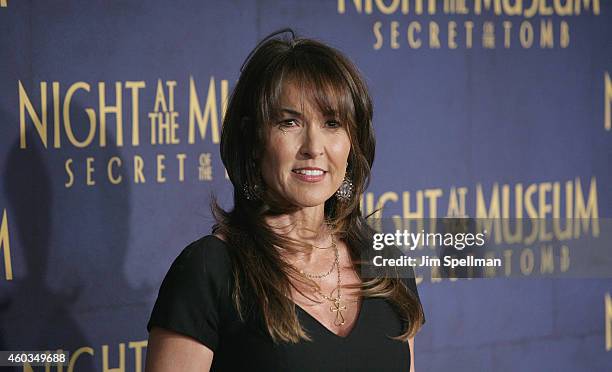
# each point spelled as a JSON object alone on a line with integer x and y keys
{"x": 329, "y": 79}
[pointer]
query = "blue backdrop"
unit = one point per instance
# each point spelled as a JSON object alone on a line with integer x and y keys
{"x": 110, "y": 115}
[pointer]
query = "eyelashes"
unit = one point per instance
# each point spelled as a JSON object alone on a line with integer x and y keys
{"x": 292, "y": 123}
{"x": 287, "y": 123}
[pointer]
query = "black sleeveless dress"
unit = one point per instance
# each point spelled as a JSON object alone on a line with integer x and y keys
{"x": 195, "y": 300}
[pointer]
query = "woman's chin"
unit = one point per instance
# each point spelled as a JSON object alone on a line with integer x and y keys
{"x": 311, "y": 201}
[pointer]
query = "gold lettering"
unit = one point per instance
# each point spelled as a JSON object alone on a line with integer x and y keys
{"x": 564, "y": 38}
{"x": 90, "y": 170}
{"x": 105, "y": 110}
{"x": 171, "y": 84}
{"x": 413, "y": 41}
{"x": 431, "y": 7}
{"x": 160, "y": 99}
{"x": 546, "y": 34}
{"x": 488, "y": 219}
{"x": 608, "y": 321}
{"x": 394, "y": 35}
{"x": 507, "y": 262}
{"x": 452, "y": 35}
{"x": 135, "y": 86}
{"x": 433, "y": 195}
{"x": 544, "y": 9}
{"x": 532, "y": 10}
{"x": 224, "y": 97}
{"x": 109, "y": 170}
{"x": 160, "y": 168}
{"x": 6, "y": 247}
{"x": 90, "y": 113}
{"x": 418, "y": 6}
{"x": 383, "y": 199}
{"x": 469, "y": 27}
{"x": 434, "y": 39}
{"x": 563, "y": 10}
{"x": 564, "y": 261}
{"x": 342, "y": 6}
{"x": 607, "y": 101}
{"x": 387, "y": 9}
{"x": 587, "y": 5}
{"x": 586, "y": 212}
{"x": 378, "y": 35}
{"x": 39, "y": 124}
{"x": 531, "y": 213}
{"x": 181, "y": 158}
{"x": 509, "y": 236}
{"x": 56, "y": 114}
{"x": 74, "y": 356}
{"x": 518, "y": 201}
{"x": 526, "y": 34}
{"x": 137, "y": 346}
{"x": 512, "y": 10}
{"x": 563, "y": 234}
{"x": 478, "y": 6}
{"x": 544, "y": 208}
{"x": 418, "y": 213}
{"x": 70, "y": 181}
{"x": 456, "y": 202}
{"x": 527, "y": 261}
{"x": 210, "y": 112}
{"x": 547, "y": 264}
{"x": 507, "y": 27}
{"x": 488, "y": 35}
{"x": 138, "y": 164}
{"x": 121, "y": 367}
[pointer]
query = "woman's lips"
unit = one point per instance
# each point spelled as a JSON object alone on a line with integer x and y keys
{"x": 309, "y": 175}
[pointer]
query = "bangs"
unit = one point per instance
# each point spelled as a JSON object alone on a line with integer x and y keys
{"x": 319, "y": 80}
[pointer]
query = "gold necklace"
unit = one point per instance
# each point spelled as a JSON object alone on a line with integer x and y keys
{"x": 337, "y": 305}
{"x": 333, "y": 244}
{"x": 335, "y": 263}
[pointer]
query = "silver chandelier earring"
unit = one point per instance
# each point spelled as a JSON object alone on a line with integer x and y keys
{"x": 345, "y": 191}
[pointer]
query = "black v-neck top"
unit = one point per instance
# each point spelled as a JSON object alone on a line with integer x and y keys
{"x": 195, "y": 300}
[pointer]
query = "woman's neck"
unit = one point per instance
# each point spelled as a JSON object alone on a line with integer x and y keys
{"x": 306, "y": 225}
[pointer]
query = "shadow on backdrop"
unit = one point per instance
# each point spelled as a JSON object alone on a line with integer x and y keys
{"x": 72, "y": 238}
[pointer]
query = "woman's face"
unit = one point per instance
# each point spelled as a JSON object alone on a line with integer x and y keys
{"x": 306, "y": 151}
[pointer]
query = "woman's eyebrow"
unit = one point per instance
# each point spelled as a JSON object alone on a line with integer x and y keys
{"x": 291, "y": 111}
{"x": 330, "y": 113}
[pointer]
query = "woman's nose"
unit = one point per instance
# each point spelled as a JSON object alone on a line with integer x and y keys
{"x": 312, "y": 142}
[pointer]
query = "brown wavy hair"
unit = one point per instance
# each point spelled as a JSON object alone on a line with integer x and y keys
{"x": 329, "y": 79}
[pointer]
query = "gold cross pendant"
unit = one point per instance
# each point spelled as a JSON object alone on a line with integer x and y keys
{"x": 338, "y": 310}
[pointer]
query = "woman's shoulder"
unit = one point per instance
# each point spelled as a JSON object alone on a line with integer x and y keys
{"x": 212, "y": 245}
{"x": 206, "y": 256}
{"x": 195, "y": 295}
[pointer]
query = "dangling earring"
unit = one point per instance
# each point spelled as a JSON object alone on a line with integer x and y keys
{"x": 251, "y": 192}
{"x": 345, "y": 191}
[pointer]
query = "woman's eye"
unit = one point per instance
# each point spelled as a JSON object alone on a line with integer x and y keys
{"x": 288, "y": 123}
{"x": 333, "y": 124}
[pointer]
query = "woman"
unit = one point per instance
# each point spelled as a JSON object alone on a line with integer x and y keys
{"x": 279, "y": 284}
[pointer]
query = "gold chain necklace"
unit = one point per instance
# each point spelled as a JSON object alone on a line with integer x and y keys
{"x": 319, "y": 276}
{"x": 337, "y": 305}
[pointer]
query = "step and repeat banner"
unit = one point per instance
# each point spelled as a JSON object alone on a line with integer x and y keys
{"x": 110, "y": 120}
